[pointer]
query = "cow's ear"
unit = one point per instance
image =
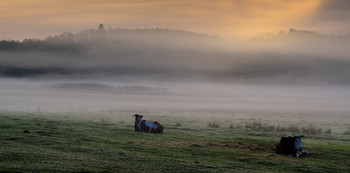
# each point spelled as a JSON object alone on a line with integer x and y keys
{"x": 135, "y": 115}
{"x": 141, "y": 116}
{"x": 302, "y": 136}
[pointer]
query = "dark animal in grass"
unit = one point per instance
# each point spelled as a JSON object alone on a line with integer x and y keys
{"x": 147, "y": 126}
{"x": 291, "y": 146}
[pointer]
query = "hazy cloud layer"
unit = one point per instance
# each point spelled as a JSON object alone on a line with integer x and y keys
{"x": 161, "y": 54}
{"x": 333, "y": 17}
{"x": 40, "y": 18}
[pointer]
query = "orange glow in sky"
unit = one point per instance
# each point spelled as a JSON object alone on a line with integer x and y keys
{"x": 40, "y": 18}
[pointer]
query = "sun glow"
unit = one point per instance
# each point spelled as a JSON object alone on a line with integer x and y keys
{"x": 272, "y": 16}
{"x": 222, "y": 17}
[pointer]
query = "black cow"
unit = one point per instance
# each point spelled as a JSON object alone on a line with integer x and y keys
{"x": 291, "y": 146}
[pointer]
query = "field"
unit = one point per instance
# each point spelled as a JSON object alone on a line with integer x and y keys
{"x": 191, "y": 142}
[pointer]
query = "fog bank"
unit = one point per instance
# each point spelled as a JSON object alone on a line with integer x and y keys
{"x": 172, "y": 98}
{"x": 296, "y": 57}
{"x": 169, "y": 71}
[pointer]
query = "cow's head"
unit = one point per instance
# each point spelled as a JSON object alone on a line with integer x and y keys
{"x": 137, "y": 116}
{"x": 297, "y": 143}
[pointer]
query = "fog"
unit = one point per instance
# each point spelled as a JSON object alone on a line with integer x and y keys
{"x": 161, "y": 54}
{"x": 171, "y": 98}
{"x": 162, "y": 70}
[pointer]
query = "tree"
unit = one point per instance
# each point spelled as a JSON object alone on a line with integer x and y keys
{"x": 101, "y": 27}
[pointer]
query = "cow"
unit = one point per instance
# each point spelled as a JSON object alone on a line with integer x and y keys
{"x": 142, "y": 125}
{"x": 291, "y": 146}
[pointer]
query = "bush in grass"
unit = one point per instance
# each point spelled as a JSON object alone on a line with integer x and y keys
{"x": 257, "y": 125}
{"x": 281, "y": 129}
{"x": 293, "y": 128}
{"x": 347, "y": 132}
{"x": 215, "y": 124}
{"x": 329, "y": 131}
{"x": 311, "y": 130}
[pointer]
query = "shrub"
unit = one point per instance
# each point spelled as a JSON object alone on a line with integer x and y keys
{"x": 311, "y": 130}
{"x": 293, "y": 128}
{"x": 260, "y": 127}
{"x": 281, "y": 129}
{"x": 347, "y": 132}
{"x": 215, "y": 124}
{"x": 329, "y": 131}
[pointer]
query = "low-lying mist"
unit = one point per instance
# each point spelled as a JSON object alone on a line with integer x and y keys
{"x": 296, "y": 57}
{"x": 161, "y": 70}
{"x": 171, "y": 97}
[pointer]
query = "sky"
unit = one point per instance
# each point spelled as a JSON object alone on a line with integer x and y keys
{"x": 226, "y": 18}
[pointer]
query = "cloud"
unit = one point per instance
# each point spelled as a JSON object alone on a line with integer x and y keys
{"x": 332, "y": 17}
{"x": 223, "y": 17}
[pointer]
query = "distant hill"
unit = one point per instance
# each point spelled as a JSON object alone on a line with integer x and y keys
{"x": 124, "y": 33}
{"x": 73, "y": 42}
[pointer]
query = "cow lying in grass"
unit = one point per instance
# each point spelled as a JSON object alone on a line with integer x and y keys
{"x": 291, "y": 146}
{"x": 146, "y": 126}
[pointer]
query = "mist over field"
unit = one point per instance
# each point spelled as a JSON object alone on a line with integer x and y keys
{"x": 163, "y": 54}
{"x": 163, "y": 70}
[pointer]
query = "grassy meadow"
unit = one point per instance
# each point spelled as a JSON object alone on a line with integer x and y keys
{"x": 191, "y": 142}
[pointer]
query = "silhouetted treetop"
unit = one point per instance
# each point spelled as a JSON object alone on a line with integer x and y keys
{"x": 300, "y": 34}
{"x": 101, "y": 27}
{"x": 304, "y": 32}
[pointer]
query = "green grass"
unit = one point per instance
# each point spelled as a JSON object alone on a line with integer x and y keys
{"x": 105, "y": 143}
